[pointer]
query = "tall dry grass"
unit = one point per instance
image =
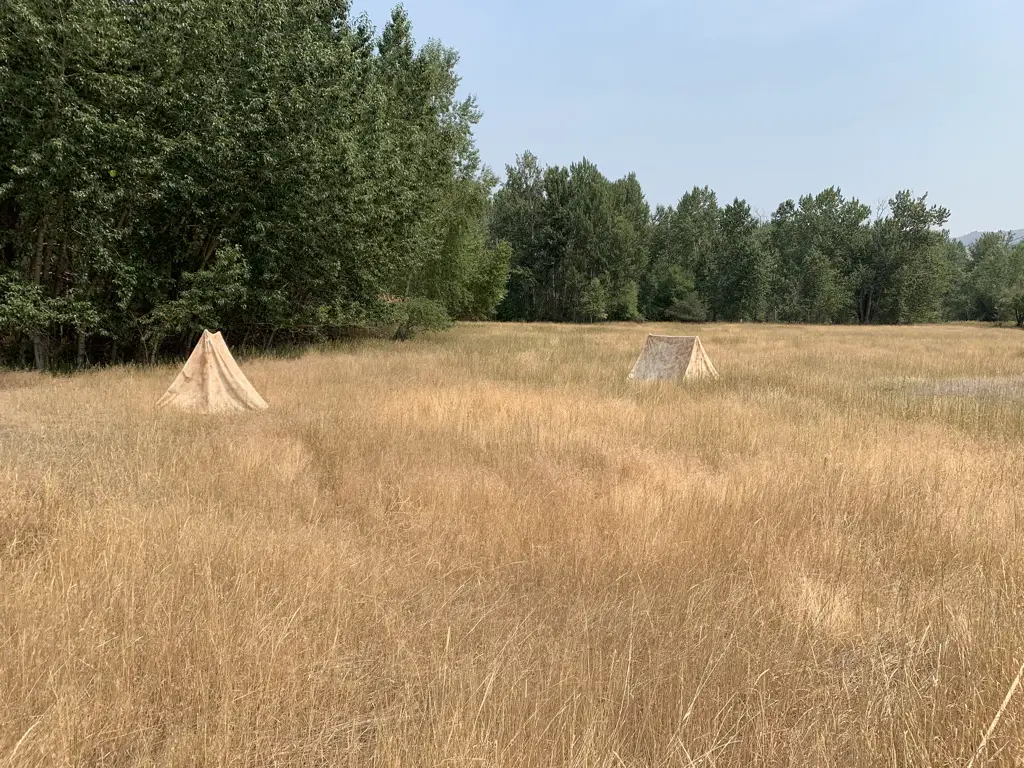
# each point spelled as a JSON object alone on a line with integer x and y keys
{"x": 489, "y": 548}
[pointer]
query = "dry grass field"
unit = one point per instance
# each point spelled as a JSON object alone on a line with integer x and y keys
{"x": 488, "y": 548}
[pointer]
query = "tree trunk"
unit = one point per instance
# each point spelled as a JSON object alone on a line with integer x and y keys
{"x": 124, "y": 218}
{"x": 209, "y": 248}
{"x": 154, "y": 348}
{"x": 80, "y": 357}
{"x": 41, "y": 349}
{"x": 62, "y": 267}
{"x": 35, "y": 268}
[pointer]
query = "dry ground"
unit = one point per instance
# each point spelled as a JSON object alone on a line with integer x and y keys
{"x": 487, "y": 548}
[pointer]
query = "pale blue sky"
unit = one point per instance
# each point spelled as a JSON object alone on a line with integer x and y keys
{"x": 761, "y": 99}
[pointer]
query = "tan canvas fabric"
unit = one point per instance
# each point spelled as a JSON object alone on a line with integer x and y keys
{"x": 673, "y": 357}
{"x": 211, "y": 381}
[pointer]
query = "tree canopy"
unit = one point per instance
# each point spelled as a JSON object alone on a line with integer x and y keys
{"x": 286, "y": 172}
{"x": 276, "y": 168}
{"x": 585, "y": 248}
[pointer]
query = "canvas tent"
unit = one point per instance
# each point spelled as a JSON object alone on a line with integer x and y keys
{"x": 211, "y": 381}
{"x": 673, "y": 357}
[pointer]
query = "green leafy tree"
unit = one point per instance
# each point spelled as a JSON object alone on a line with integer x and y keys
{"x": 466, "y": 273}
{"x": 996, "y": 282}
{"x": 578, "y": 242}
{"x": 682, "y": 277}
{"x": 517, "y": 218}
{"x": 744, "y": 266}
{"x": 903, "y": 274}
{"x": 138, "y": 140}
{"x": 207, "y": 299}
{"x": 816, "y": 242}
{"x": 1011, "y": 298}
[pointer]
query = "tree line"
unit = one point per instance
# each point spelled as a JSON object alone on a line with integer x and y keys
{"x": 286, "y": 172}
{"x": 585, "y": 248}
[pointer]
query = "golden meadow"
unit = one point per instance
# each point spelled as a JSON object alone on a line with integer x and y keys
{"x": 488, "y": 548}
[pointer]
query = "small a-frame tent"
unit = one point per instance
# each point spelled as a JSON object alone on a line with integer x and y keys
{"x": 211, "y": 381}
{"x": 673, "y": 357}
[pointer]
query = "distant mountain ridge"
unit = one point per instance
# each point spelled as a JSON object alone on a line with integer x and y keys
{"x": 972, "y": 237}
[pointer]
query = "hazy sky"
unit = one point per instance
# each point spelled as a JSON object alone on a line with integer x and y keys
{"x": 760, "y": 99}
